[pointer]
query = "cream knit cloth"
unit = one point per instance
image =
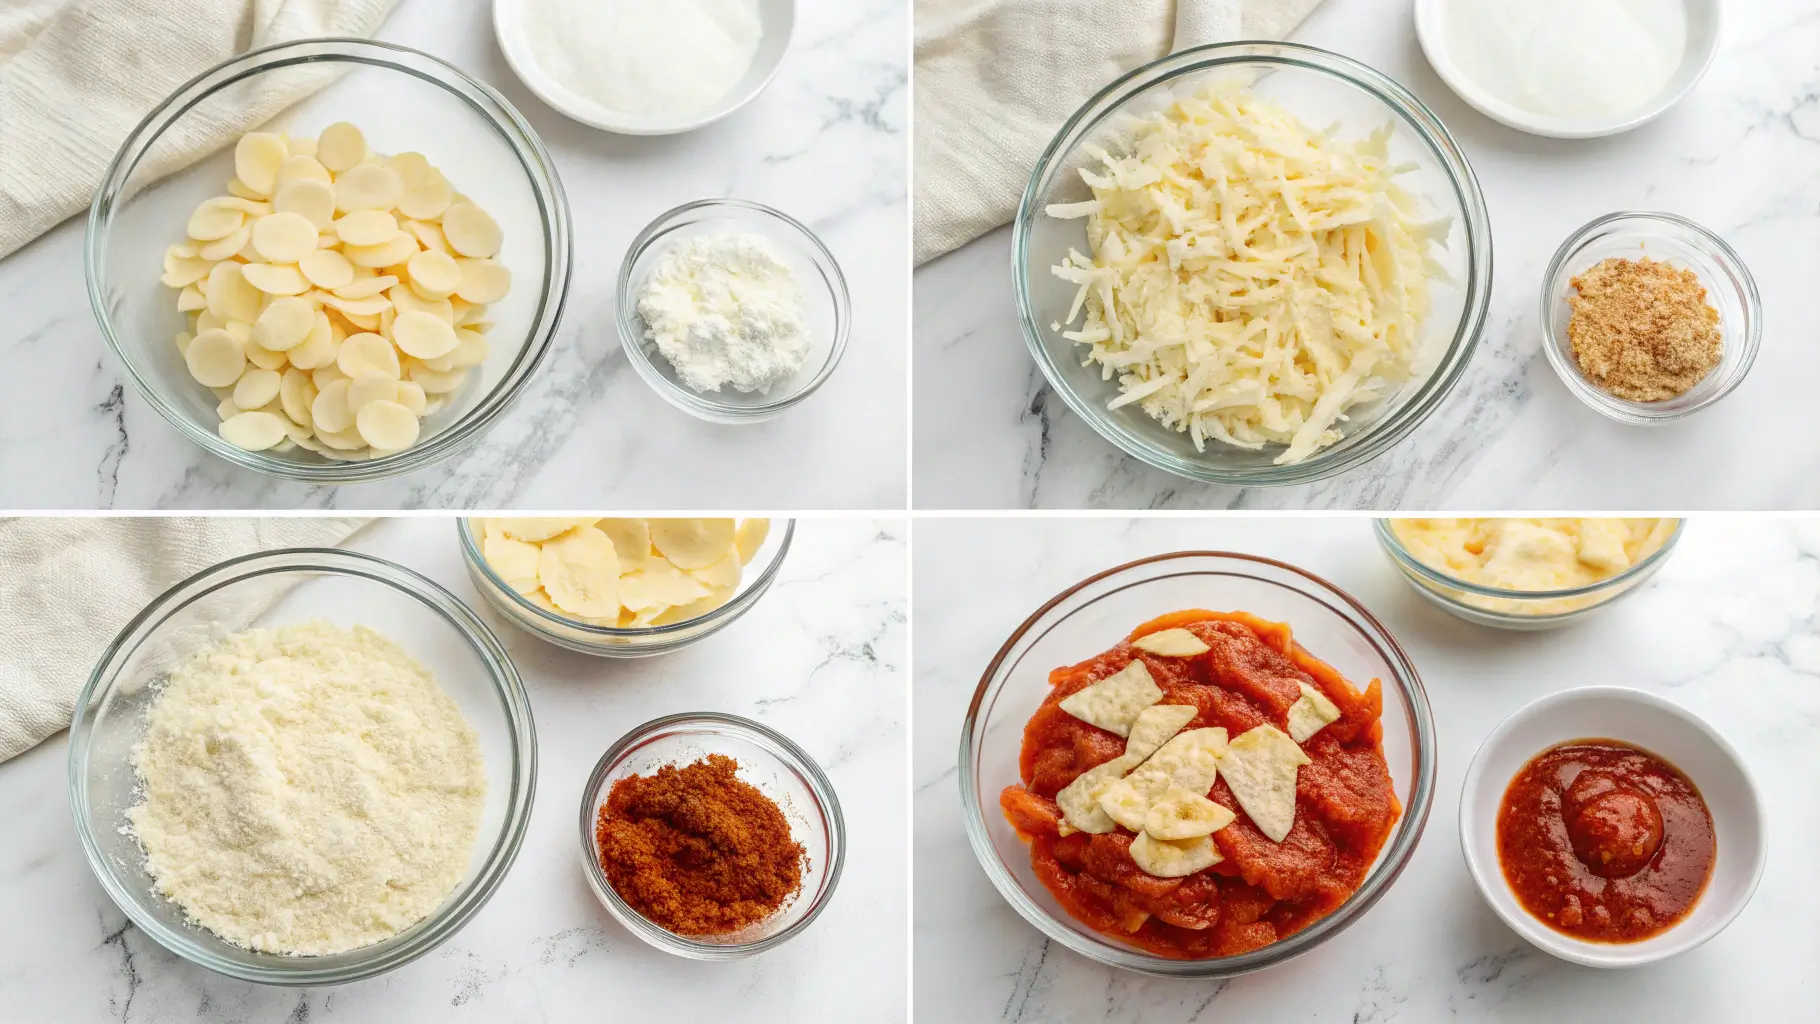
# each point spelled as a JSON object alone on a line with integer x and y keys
{"x": 77, "y": 75}
{"x": 995, "y": 79}
{"x": 68, "y": 586}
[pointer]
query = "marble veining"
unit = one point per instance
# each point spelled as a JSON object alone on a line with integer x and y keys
{"x": 1730, "y": 628}
{"x": 822, "y": 658}
{"x": 827, "y": 143}
{"x": 1741, "y": 156}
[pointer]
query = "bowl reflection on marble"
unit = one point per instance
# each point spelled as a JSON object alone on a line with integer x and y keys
{"x": 488, "y": 149}
{"x": 1094, "y": 614}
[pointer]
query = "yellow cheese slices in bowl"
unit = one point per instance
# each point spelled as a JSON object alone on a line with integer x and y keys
{"x": 622, "y": 581}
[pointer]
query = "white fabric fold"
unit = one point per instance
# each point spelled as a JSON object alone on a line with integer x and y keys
{"x": 995, "y": 79}
{"x": 77, "y": 75}
{"x": 69, "y": 585}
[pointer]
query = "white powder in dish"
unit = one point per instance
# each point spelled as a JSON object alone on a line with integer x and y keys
{"x": 726, "y": 309}
{"x": 655, "y": 58}
{"x": 307, "y": 790}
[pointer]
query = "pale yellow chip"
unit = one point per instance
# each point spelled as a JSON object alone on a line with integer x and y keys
{"x": 385, "y": 424}
{"x": 750, "y": 537}
{"x": 256, "y": 388}
{"x": 367, "y": 353}
{"x": 1189, "y": 761}
{"x": 366, "y": 227}
{"x": 631, "y": 540}
{"x": 693, "y": 610}
{"x": 471, "y": 231}
{"x": 318, "y": 349}
{"x": 482, "y": 282}
{"x": 692, "y": 543}
{"x": 580, "y": 572}
{"x": 514, "y": 560}
{"x": 371, "y": 387}
{"x": 213, "y": 219}
{"x": 1260, "y": 768}
{"x": 471, "y": 349}
{"x": 411, "y": 396}
{"x": 434, "y": 275}
{"x": 426, "y": 193}
{"x": 367, "y": 286}
{"x": 257, "y": 157}
{"x": 341, "y": 146}
{"x": 426, "y": 336}
{"x": 295, "y": 392}
{"x": 407, "y": 300}
{"x": 368, "y": 187}
{"x": 284, "y": 237}
{"x": 331, "y": 413}
{"x": 537, "y": 531}
{"x": 1171, "y": 643}
{"x": 1079, "y": 800}
{"x": 254, "y": 431}
{"x": 303, "y": 167}
{"x": 435, "y": 382}
{"x": 309, "y": 198}
{"x": 1311, "y": 713}
{"x": 275, "y": 278}
{"x": 1180, "y": 814}
{"x": 1173, "y": 859}
{"x": 723, "y": 573}
{"x": 659, "y": 585}
{"x": 226, "y": 248}
{"x": 1113, "y": 703}
{"x": 327, "y": 269}
{"x": 264, "y": 358}
{"x": 229, "y": 295}
{"x": 215, "y": 358}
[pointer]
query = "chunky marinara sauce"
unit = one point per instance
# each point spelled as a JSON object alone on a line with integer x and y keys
{"x": 1263, "y": 891}
{"x": 1604, "y": 841}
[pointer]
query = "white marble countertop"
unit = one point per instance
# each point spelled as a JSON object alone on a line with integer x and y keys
{"x": 1728, "y": 628}
{"x": 1741, "y": 156}
{"x": 821, "y": 658}
{"x": 826, "y": 143}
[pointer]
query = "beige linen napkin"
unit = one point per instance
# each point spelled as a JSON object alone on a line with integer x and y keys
{"x": 995, "y": 79}
{"x": 77, "y": 75}
{"x": 69, "y": 585}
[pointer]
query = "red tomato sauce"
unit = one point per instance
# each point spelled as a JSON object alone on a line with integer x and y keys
{"x": 1262, "y": 891}
{"x": 1604, "y": 841}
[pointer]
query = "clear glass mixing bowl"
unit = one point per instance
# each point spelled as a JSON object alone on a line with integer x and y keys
{"x": 1322, "y": 89}
{"x": 277, "y": 588}
{"x": 402, "y": 100}
{"x": 1098, "y": 612}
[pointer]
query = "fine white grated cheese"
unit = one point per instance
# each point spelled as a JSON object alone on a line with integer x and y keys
{"x": 1251, "y": 281}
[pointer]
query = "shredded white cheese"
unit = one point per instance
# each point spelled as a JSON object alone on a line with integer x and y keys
{"x": 1251, "y": 281}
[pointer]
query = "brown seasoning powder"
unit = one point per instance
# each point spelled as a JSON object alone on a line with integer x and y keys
{"x": 696, "y": 850}
{"x": 1642, "y": 330}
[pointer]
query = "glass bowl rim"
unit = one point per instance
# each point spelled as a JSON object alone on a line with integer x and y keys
{"x": 1410, "y": 563}
{"x": 794, "y": 757}
{"x": 1709, "y": 242}
{"x": 630, "y": 337}
{"x": 758, "y": 584}
{"x": 540, "y": 172}
{"x": 461, "y": 906}
{"x": 1405, "y": 106}
{"x": 1385, "y": 871}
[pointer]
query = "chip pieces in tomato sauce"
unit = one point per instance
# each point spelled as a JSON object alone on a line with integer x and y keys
{"x": 1263, "y": 891}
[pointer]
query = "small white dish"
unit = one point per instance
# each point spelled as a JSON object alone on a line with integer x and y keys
{"x": 1702, "y": 46}
{"x": 778, "y": 17}
{"x": 1661, "y": 727}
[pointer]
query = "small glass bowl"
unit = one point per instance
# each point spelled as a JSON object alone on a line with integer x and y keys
{"x": 1323, "y": 89}
{"x": 642, "y": 642}
{"x": 403, "y": 100}
{"x": 283, "y": 587}
{"x": 1097, "y": 613}
{"x": 779, "y": 768}
{"x": 828, "y": 307}
{"x": 1670, "y": 239}
{"x": 1519, "y": 610}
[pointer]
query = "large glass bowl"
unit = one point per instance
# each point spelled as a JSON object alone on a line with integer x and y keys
{"x": 1519, "y": 610}
{"x": 402, "y": 100}
{"x": 639, "y": 642}
{"x": 1097, "y": 613}
{"x": 1322, "y": 89}
{"x": 767, "y": 760}
{"x": 278, "y": 588}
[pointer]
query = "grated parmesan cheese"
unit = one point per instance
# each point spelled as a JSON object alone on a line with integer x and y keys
{"x": 307, "y": 790}
{"x": 1251, "y": 281}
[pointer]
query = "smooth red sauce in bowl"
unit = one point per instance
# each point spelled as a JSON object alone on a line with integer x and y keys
{"x": 1262, "y": 891}
{"x": 1605, "y": 842}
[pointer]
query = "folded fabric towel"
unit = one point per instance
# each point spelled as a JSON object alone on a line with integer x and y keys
{"x": 77, "y": 75}
{"x": 995, "y": 80}
{"x": 70, "y": 585}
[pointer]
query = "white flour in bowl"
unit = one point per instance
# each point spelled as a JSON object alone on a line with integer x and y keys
{"x": 726, "y": 309}
{"x": 307, "y": 790}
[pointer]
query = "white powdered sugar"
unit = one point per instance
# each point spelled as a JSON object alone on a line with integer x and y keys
{"x": 726, "y": 309}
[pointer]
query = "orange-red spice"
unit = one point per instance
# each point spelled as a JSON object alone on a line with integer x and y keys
{"x": 696, "y": 850}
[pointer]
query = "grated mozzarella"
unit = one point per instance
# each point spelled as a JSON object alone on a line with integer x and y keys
{"x": 1251, "y": 281}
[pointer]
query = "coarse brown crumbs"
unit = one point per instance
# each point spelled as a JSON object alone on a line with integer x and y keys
{"x": 696, "y": 850}
{"x": 1642, "y": 330}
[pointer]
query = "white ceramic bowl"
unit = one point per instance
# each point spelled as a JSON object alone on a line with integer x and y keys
{"x": 1703, "y": 20}
{"x": 777, "y": 16}
{"x": 1661, "y": 727}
